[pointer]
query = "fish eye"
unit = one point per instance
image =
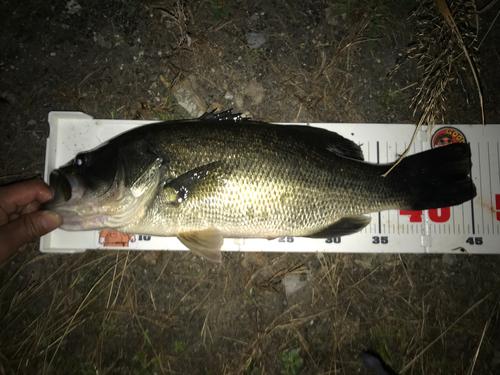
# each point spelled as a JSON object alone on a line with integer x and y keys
{"x": 81, "y": 160}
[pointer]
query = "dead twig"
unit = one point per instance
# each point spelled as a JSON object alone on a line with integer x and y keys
{"x": 486, "y": 325}
{"x": 409, "y": 364}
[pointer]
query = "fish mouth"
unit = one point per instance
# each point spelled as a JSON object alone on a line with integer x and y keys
{"x": 60, "y": 186}
{"x": 67, "y": 192}
{"x": 82, "y": 208}
{"x": 67, "y": 189}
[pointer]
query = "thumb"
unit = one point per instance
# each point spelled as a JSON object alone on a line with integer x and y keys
{"x": 25, "y": 229}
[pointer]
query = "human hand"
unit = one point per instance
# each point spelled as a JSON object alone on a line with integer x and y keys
{"x": 20, "y": 219}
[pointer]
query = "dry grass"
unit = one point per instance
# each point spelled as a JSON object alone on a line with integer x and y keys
{"x": 444, "y": 51}
{"x": 83, "y": 290}
{"x": 329, "y": 83}
{"x": 237, "y": 314}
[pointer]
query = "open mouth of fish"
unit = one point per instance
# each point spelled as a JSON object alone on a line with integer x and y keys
{"x": 80, "y": 211}
{"x": 66, "y": 189}
{"x": 67, "y": 192}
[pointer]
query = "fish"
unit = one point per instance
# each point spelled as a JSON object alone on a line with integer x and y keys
{"x": 221, "y": 176}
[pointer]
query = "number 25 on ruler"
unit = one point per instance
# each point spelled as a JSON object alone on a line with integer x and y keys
{"x": 437, "y": 215}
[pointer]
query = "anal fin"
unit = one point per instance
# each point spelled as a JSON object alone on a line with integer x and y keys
{"x": 205, "y": 243}
{"x": 343, "y": 227}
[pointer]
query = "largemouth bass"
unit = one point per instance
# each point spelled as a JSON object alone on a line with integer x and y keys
{"x": 222, "y": 177}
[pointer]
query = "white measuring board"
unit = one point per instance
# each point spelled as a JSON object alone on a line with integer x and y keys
{"x": 472, "y": 227}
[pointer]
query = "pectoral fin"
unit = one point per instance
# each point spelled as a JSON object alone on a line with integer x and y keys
{"x": 343, "y": 227}
{"x": 202, "y": 179}
{"x": 205, "y": 243}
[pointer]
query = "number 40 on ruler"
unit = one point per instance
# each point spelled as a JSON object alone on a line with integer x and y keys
{"x": 437, "y": 215}
{"x": 442, "y": 215}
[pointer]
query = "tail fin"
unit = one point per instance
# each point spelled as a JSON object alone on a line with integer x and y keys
{"x": 438, "y": 177}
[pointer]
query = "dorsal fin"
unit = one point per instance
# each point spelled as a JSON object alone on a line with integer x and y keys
{"x": 332, "y": 141}
{"x": 222, "y": 116}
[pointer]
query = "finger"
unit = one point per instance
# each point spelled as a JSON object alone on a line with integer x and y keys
{"x": 23, "y": 193}
{"x": 32, "y": 207}
{"x": 25, "y": 229}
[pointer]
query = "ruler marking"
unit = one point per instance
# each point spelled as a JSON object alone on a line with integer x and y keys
{"x": 368, "y": 229}
{"x": 401, "y": 228}
{"x": 481, "y": 185}
{"x": 491, "y": 188}
{"x": 498, "y": 162}
{"x": 378, "y": 162}
{"x": 453, "y": 219}
{"x": 388, "y": 226}
{"x": 472, "y": 200}
{"x": 498, "y": 174}
{"x": 463, "y": 219}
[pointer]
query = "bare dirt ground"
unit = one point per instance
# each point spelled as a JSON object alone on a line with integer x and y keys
{"x": 107, "y": 312}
